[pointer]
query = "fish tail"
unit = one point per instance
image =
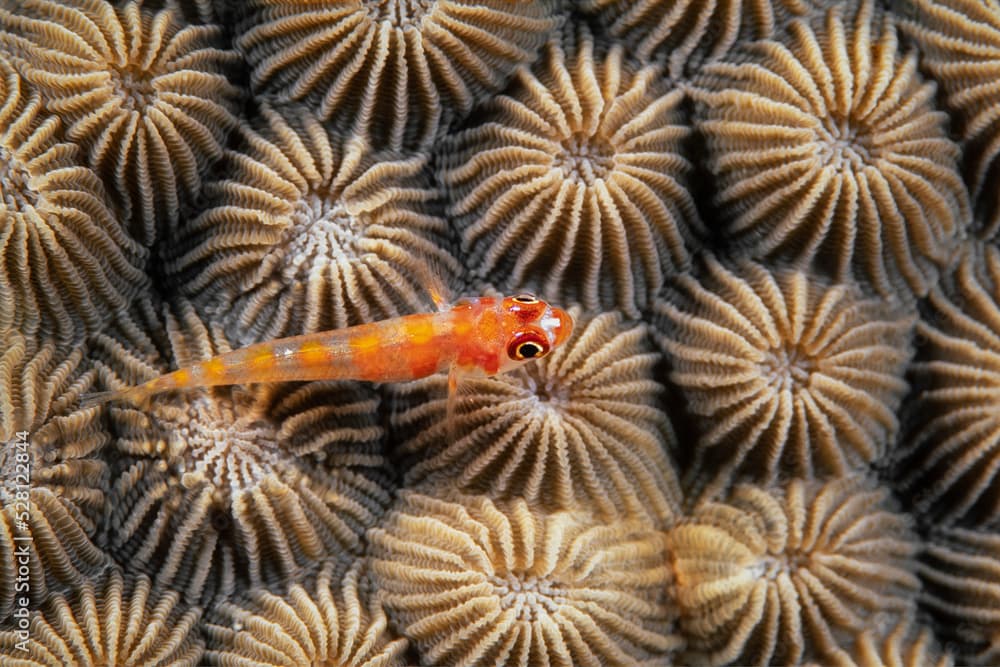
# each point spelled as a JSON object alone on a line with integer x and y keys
{"x": 96, "y": 398}
{"x": 136, "y": 396}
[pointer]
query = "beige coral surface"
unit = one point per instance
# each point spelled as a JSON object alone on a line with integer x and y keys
{"x": 770, "y": 438}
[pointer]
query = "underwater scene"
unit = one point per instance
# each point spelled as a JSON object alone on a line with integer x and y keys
{"x": 519, "y": 333}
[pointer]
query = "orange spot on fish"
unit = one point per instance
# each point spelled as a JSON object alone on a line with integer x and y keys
{"x": 214, "y": 368}
{"x": 182, "y": 377}
{"x": 314, "y": 353}
{"x": 263, "y": 358}
{"x": 419, "y": 331}
{"x": 462, "y": 327}
{"x": 365, "y": 342}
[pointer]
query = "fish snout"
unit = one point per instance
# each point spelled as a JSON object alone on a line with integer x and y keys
{"x": 558, "y": 324}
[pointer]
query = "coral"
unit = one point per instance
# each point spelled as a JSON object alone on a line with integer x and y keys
{"x": 220, "y": 490}
{"x": 470, "y": 581}
{"x": 688, "y": 31}
{"x": 111, "y": 620}
{"x": 784, "y": 372}
{"x": 960, "y": 569}
{"x": 39, "y": 377}
{"x": 781, "y": 576}
{"x": 309, "y": 232}
{"x": 145, "y": 95}
{"x": 959, "y": 42}
{"x": 396, "y": 73}
{"x": 829, "y": 152}
{"x": 755, "y": 211}
{"x": 947, "y": 462}
{"x": 334, "y": 620}
{"x": 53, "y": 485}
{"x": 65, "y": 261}
{"x": 904, "y": 646}
{"x": 579, "y": 428}
{"x": 193, "y": 11}
{"x": 574, "y": 182}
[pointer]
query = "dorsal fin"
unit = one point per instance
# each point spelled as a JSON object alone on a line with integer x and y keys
{"x": 439, "y": 274}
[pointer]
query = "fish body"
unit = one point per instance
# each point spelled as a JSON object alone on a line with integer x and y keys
{"x": 477, "y": 336}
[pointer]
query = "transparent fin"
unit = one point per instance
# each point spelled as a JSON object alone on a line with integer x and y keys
{"x": 452, "y": 403}
{"x": 98, "y": 398}
{"x": 438, "y": 275}
{"x": 136, "y": 396}
{"x": 461, "y": 389}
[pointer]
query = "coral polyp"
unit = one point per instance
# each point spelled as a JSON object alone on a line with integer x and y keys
{"x": 146, "y": 96}
{"x": 39, "y": 377}
{"x": 783, "y": 371}
{"x": 687, "y": 32}
{"x": 112, "y": 619}
{"x": 830, "y": 153}
{"x": 335, "y": 619}
{"x": 950, "y": 454}
{"x": 312, "y": 230}
{"x": 781, "y": 575}
{"x": 397, "y": 73}
{"x": 598, "y": 210}
{"x": 960, "y": 570}
{"x": 53, "y": 491}
{"x": 578, "y": 429}
{"x": 220, "y": 490}
{"x": 960, "y": 40}
{"x": 475, "y": 582}
{"x": 66, "y": 260}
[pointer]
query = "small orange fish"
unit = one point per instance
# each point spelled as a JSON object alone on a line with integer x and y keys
{"x": 477, "y": 336}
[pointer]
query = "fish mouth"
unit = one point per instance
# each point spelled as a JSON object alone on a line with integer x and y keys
{"x": 557, "y": 325}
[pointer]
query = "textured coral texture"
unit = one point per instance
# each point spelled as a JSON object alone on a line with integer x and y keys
{"x": 829, "y": 154}
{"x": 775, "y": 576}
{"x": 772, "y": 436}
{"x": 145, "y": 96}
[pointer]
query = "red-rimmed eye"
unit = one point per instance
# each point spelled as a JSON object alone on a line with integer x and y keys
{"x": 525, "y": 298}
{"x": 527, "y": 345}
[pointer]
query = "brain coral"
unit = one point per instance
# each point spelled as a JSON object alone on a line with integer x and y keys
{"x": 110, "y": 620}
{"x": 65, "y": 261}
{"x": 948, "y": 460}
{"x": 397, "y": 73}
{"x": 681, "y": 29}
{"x": 574, "y": 182}
{"x": 145, "y": 95}
{"x": 960, "y": 45}
{"x": 216, "y": 491}
{"x": 335, "y": 619}
{"x": 784, "y": 372}
{"x": 828, "y": 152}
{"x": 475, "y": 582}
{"x": 310, "y": 230}
{"x": 579, "y": 428}
{"x": 960, "y": 570}
{"x": 53, "y": 486}
{"x": 778, "y": 576}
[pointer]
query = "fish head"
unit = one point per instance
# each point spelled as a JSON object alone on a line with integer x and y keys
{"x": 532, "y": 328}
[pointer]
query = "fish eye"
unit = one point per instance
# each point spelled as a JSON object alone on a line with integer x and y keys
{"x": 527, "y": 345}
{"x": 526, "y": 299}
{"x": 528, "y": 350}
